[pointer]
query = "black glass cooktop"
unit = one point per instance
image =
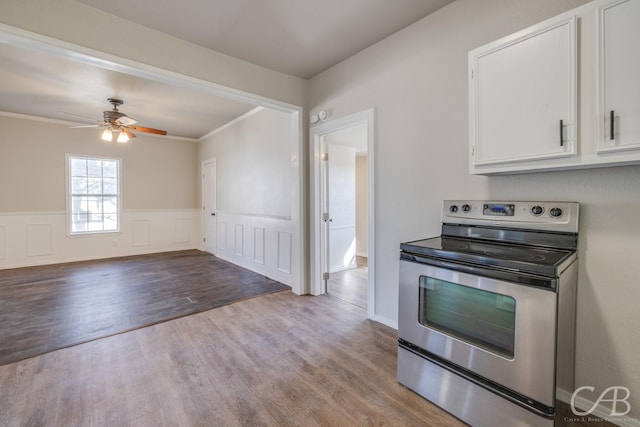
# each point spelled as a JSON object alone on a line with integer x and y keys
{"x": 525, "y": 258}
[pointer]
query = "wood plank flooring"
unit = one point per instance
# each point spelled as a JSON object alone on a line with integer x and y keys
{"x": 276, "y": 360}
{"x": 50, "y": 307}
{"x": 351, "y": 285}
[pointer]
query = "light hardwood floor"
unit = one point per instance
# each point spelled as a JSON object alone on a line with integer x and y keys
{"x": 351, "y": 285}
{"x": 277, "y": 360}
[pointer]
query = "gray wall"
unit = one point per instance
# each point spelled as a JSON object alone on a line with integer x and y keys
{"x": 416, "y": 81}
{"x": 157, "y": 173}
{"x": 253, "y": 164}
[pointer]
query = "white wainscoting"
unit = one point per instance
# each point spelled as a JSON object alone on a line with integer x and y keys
{"x": 3, "y": 242}
{"x": 257, "y": 242}
{"x": 258, "y": 245}
{"x": 38, "y": 238}
{"x": 141, "y": 232}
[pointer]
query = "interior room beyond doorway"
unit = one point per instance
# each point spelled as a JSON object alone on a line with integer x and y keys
{"x": 347, "y": 199}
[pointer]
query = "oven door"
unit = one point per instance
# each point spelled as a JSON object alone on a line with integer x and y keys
{"x": 500, "y": 331}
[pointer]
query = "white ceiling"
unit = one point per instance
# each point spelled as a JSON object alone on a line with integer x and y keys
{"x": 28, "y": 86}
{"x": 297, "y": 37}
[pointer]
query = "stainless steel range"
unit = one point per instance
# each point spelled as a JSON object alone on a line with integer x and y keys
{"x": 487, "y": 311}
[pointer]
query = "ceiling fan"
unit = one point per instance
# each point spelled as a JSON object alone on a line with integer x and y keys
{"x": 117, "y": 125}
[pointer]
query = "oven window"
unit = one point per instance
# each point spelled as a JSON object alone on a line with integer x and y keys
{"x": 484, "y": 319}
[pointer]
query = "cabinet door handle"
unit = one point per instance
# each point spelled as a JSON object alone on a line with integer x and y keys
{"x": 561, "y": 132}
{"x": 612, "y": 120}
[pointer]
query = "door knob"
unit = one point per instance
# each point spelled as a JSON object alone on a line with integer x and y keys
{"x": 213, "y": 214}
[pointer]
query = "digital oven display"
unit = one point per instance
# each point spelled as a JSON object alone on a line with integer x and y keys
{"x": 498, "y": 209}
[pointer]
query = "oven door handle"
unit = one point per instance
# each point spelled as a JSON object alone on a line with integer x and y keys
{"x": 510, "y": 275}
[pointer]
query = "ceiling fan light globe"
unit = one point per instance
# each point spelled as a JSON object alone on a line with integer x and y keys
{"x": 107, "y": 135}
{"x": 123, "y": 137}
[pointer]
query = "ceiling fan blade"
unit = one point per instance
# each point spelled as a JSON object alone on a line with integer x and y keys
{"x": 129, "y": 133}
{"x": 125, "y": 121}
{"x": 148, "y": 130}
{"x": 84, "y": 126}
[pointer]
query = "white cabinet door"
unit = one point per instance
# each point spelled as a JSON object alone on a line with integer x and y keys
{"x": 522, "y": 97}
{"x": 619, "y": 78}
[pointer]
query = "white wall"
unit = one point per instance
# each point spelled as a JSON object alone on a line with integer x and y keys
{"x": 159, "y": 194}
{"x": 255, "y": 189}
{"x": 416, "y": 81}
{"x": 253, "y": 164}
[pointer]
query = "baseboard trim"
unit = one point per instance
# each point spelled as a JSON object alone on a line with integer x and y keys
{"x": 91, "y": 258}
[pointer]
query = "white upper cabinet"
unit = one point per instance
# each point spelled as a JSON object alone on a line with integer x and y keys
{"x": 544, "y": 98}
{"x": 522, "y": 97}
{"x": 618, "y": 33}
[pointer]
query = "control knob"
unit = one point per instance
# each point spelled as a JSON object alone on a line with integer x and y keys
{"x": 466, "y": 208}
{"x": 453, "y": 209}
{"x": 537, "y": 210}
{"x": 555, "y": 212}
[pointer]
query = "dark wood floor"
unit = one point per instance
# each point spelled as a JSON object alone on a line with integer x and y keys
{"x": 276, "y": 360}
{"x": 50, "y": 307}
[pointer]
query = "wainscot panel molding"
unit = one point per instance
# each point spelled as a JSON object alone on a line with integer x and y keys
{"x": 183, "y": 230}
{"x": 260, "y": 243}
{"x": 239, "y": 240}
{"x": 39, "y": 238}
{"x": 284, "y": 252}
{"x": 141, "y": 235}
{"x": 222, "y": 236}
{"x": 3, "y": 242}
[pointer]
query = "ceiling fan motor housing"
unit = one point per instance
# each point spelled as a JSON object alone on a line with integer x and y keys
{"x": 113, "y": 115}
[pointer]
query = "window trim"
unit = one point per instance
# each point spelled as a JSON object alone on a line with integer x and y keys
{"x": 69, "y": 215}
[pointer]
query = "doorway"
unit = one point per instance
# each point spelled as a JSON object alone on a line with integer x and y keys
{"x": 345, "y": 199}
{"x": 209, "y": 219}
{"x": 342, "y": 210}
{"x": 295, "y": 234}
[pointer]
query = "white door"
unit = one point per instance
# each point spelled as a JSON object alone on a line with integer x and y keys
{"x": 209, "y": 205}
{"x": 341, "y": 183}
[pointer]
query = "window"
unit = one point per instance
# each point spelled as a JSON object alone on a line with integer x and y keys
{"x": 93, "y": 195}
{"x": 478, "y": 317}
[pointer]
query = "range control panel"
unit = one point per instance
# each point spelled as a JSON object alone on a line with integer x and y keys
{"x": 560, "y": 216}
